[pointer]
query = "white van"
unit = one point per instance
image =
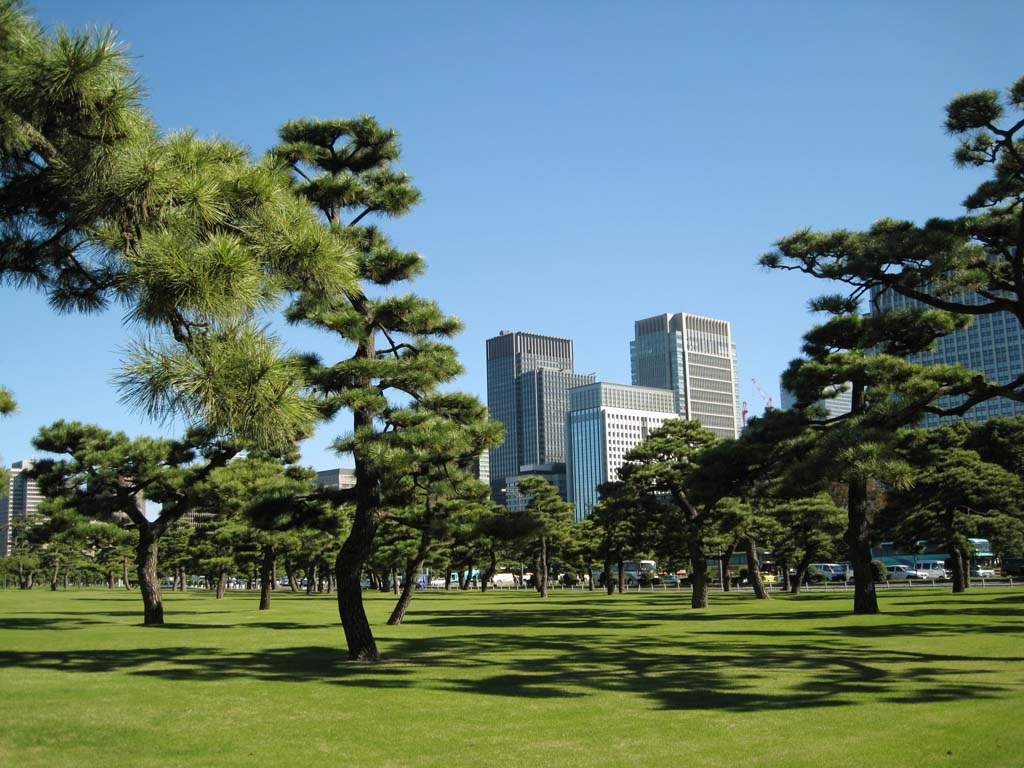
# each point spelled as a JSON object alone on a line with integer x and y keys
{"x": 933, "y": 569}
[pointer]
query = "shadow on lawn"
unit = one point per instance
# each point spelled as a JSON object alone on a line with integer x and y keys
{"x": 822, "y": 663}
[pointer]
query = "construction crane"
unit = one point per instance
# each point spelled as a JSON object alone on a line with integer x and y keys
{"x": 767, "y": 400}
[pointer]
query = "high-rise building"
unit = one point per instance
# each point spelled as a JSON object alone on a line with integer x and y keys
{"x": 993, "y": 345}
{"x": 838, "y": 404}
{"x": 21, "y": 503}
{"x": 528, "y": 382}
{"x": 605, "y": 421}
{"x": 695, "y": 357}
{"x": 336, "y": 479}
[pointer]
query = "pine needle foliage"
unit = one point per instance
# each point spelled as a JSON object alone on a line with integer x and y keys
{"x": 189, "y": 235}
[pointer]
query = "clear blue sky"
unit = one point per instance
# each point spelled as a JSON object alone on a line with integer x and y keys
{"x": 583, "y": 164}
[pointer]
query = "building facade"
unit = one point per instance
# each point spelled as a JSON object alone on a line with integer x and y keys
{"x": 21, "y": 502}
{"x": 695, "y": 357}
{"x": 528, "y": 381}
{"x": 992, "y": 345}
{"x": 605, "y": 421}
{"x": 839, "y": 404}
{"x": 336, "y": 479}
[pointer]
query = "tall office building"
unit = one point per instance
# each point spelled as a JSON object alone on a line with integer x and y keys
{"x": 837, "y": 405}
{"x": 992, "y": 345}
{"x": 22, "y": 502}
{"x": 695, "y": 357}
{"x": 528, "y": 382}
{"x": 605, "y": 421}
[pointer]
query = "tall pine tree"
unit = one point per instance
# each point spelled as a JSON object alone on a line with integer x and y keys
{"x": 346, "y": 169}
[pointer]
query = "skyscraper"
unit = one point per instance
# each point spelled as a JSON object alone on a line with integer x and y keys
{"x": 993, "y": 345}
{"x": 21, "y": 502}
{"x": 605, "y": 421}
{"x": 695, "y": 357}
{"x": 528, "y": 381}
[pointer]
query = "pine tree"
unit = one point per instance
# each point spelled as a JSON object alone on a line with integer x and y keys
{"x": 345, "y": 169}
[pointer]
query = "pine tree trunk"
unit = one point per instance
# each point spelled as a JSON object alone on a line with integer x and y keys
{"x": 543, "y": 566}
{"x": 488, "y": 575}
{"x": 290, "y": 573}
{"x": 858, "y": 542}
{"x": 724, "y": 567}
{"x": 959, "y": 568}
{"x": 149, "y": 584}
{"x": 698, "y": 574}
{"x": 754, "y": 570}
{"x": 67, "y": 575}
{"x": 127, "y": 581}
{"x": 266, "y": 576}
{"x": 411, "y": 569}
{"x": 609, "y": 585}
{"x": 182, "y": 578}
{"x": 55, "y": 576}
{"x": 622, "y": 573}
{"x": 354, "y": 552}
{"x": 222, "y": 582}
{"x": 801, "y": 574}
{"x": 110, "y": 580}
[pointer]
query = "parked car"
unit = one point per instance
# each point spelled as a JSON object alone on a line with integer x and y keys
{"x": 899, "y": 573}
{"x": 983, "y": 572}
{"x": 832, "y": 571}
{"x": 668, "y": 580}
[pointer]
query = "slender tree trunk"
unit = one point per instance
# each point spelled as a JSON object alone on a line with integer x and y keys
{"x": 354, "y": 552}
{"x": 290, "y": 573}
{"x": 222, "y": 582}
{"x": 110, "y": 580}
{"x": 543, "y": 566}
{"x": 754, "y": 570}
{"x": 266, "y": 576}
{"x": 488, "y": 575}
{"x": 412, "y": 568}
{"x": 959, "y": 568}
{"x": 622, "y": 573}
{"x": 801, "y": 574}
{"x": 311, "y": 577}
{"x": 127, "y": 581}
{"x": 55, "y": 575}
{"x": 609, "y": 585}
{"x": 273, "y": 575}
{"x": 149, "y": 584}
{"x": 698, "y": 573}
{"x": 182, "y": 578}
{"x": 67, "y": 574}
{"x": 589, "y": 564}
{"x": 858, "y": 542}
{"x": 724, "y": 566}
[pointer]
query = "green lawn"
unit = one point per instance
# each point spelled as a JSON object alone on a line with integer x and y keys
{"x": 508, "y": 679}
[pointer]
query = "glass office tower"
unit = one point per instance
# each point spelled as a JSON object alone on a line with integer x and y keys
{"x": 695, "y": 357}
{"x": 992, "y": 344}
{"x": 528, "y": 381}
{"x": 605, "y": 421}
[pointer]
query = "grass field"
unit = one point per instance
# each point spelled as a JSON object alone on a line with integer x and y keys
{"x": 508, "y": 679}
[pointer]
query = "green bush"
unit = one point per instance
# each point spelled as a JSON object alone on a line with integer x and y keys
{"x": 878, "y": 570}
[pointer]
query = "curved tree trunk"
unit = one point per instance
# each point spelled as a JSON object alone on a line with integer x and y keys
{"x": 489, "y": 571}
{"x": 858, "y": 542}
{"x": 149, "y": 584}
{"x": 801, "y": 574}
{"x": 290, "y": 573}
{"x": 412, "y": 568}
{"x": 348, "y": 567}
{"x": 266, "y": 576}
{"x": 724, "y": 566}
{"x": 55, "y": 575}
{"x": 127, "y": 581}
{"x": 754, "y": 570}
{"x": 698, "y": 574}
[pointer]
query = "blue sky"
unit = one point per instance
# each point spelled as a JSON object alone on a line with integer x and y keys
{"x": 583, "y": 164}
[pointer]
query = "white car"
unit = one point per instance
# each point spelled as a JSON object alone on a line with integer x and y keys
{"x": 899, "y": 573}
{"x": 983, "y": 572}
